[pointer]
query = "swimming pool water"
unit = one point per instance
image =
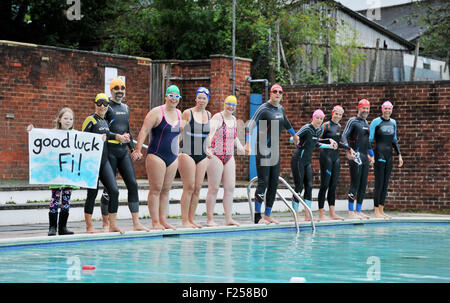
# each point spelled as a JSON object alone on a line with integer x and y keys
{"x": 362, "y": 253}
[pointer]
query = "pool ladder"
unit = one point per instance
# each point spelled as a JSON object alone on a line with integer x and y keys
{"x": 250, "y": 184}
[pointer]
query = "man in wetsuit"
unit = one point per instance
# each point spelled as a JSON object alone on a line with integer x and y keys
{"x": 383, "y": 132}
{"x": 118, "y": 118}
{"x": 269, "y": 119}
{"x": 356, "y": 135}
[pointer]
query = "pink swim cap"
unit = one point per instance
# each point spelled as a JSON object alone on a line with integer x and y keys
{"x": 387, "y": 104}
{"x": 318, "y": 112}
{"x": 337, "y": 107}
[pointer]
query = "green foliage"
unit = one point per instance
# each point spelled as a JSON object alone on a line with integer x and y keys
{"x": 194, "y": 29}
{"x": 435, "y": 20}
{"x": 306, "y": 31}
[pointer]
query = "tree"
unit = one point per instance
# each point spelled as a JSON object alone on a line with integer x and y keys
{"x": 434, "y": 18}
{"x": 46, "y": 22}
{"x": 317, "y": 45}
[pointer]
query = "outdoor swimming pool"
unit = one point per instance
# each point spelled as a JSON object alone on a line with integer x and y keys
{"x": 388, "y": 252}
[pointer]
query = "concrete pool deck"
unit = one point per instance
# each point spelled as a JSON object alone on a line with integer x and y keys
{"x": 20, "y": 235}
{"x": 23, "y": 223}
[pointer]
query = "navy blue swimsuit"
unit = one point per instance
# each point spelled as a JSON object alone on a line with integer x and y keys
{"x": 164, "y": 140}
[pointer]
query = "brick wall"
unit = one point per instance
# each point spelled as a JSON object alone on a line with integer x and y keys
{"x": 216, "y": 75}
{"x": 421, "y": 110}
{"x": 36, "y": 81}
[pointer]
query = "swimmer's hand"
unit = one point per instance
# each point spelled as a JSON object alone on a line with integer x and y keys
{"x": 136, "y": 155}
{"x": 208, "y": 152}
{"x": 247, "y": 148}
{"x": 125, "y": 138}
{"x": 400, "y": 161}
{"x": 333, "y": 144}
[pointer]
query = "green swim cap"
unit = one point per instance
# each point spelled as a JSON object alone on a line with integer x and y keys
{"x": 172, "y": 89}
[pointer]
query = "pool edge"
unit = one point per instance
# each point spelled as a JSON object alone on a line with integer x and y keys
{"x": 304, "y": 226}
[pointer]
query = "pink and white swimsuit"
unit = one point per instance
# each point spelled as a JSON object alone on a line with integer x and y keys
{"x": 223, "y": 142}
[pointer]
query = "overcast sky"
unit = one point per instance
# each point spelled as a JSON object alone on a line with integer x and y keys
{"x": 365, "y": 4}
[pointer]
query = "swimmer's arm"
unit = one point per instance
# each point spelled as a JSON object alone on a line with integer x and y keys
{"x": 147, "y": 125}
{"x": 240, "y": 148}
{"x": 185, "y": 118}
{"x": 214, "y": 126}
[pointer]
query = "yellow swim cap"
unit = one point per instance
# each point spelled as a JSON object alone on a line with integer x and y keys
{"x": 230, "y": 99}
{"x": 116, "y": 82}
{"x": 101, "y": 96}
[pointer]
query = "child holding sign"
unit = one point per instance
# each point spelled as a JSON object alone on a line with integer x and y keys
{"x": 60, "y": 193}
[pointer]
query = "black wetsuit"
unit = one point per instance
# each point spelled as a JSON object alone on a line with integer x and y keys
{"x": 269, "y": 121}
{"x": 356, "y": 135}
{"x": 301, "y": 166}
{"x": 98, "y": 125}
{"x": 118, "y": 118}
{"x": 330, "y": 164}
{"x": 384, "y": 133}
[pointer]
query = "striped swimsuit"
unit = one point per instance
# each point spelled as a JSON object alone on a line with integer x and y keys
{"x": 223, "y": 142}
{"x": 164, "y": 141}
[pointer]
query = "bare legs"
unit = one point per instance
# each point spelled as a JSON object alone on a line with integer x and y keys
{"x": 227, "y": 174}
{"x": 192, "y": 176}
{"x": 160, "y": 179}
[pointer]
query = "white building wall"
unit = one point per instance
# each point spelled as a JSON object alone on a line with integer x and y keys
{"x": 367, "y": 35}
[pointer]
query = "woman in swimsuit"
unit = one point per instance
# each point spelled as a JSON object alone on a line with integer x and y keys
{"x": 162, "y": 124}
{"x": 221, "y": 166}
{"x": 193, "y": 159}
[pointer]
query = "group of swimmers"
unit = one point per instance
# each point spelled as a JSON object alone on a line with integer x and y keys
{"x": 357, "y": 139}
{"x": 195, "y": 143}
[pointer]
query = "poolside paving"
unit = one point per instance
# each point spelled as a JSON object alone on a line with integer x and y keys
{"x": 39, "y": 230}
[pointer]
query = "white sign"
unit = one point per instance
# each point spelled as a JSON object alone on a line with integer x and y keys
{"x": 62, "y": 157}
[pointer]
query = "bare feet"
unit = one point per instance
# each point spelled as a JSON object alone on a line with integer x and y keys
{"x": 168, "y": 226}
{"x": 140, "y": 227}
{"x": 271, "y": 220}
{"x": 91, "y": 230}
{"x": 211, "y": 223}
{"x": 196, "y": 224}
{"x": 336, "y": 217}
{"x": 187, "y": 224}
{"x": 378, "y": 215}
{"x": 387, "y": 216}
{"x": 157, "y": 226}
{"x": 333, "y": 215}
{"x": 114, "y": 228}
{"x": 263, "y": 221}
{"x": 324, "y": 218}
{"x": 232, "y": 223}
{"x": 353, "y": 215}
{"x": 105, "y": 228}
{"x": 363, "y": 215}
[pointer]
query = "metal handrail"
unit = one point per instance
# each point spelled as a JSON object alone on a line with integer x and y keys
{"x": 297, "y": 196}
{"x": 284, "y": 200}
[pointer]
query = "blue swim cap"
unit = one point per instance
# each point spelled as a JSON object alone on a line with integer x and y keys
{"x": 202, "y": 90}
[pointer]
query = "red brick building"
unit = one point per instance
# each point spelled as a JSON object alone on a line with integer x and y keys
{"x": 37, "y": 81}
